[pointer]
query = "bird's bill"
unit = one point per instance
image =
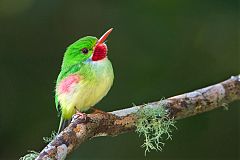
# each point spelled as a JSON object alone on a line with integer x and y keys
{"x": 104, "y": 37}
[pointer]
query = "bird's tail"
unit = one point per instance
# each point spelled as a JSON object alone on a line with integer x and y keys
{"x": 63, "y": 124}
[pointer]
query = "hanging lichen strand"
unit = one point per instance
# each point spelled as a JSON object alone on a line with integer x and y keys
{"x": 155, "y": 125}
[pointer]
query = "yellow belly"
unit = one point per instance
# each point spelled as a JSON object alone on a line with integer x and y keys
{"x": 88, "y": 92}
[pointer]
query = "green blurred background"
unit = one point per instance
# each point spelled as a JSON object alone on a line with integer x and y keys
{"x": 158, "y": 48}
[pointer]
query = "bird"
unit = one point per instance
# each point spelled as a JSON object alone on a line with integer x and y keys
{"x": 85, "y": 77}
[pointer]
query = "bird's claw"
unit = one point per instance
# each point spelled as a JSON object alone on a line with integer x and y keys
{"x": 79, "y": 115}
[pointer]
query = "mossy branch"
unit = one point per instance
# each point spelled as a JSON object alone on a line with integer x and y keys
{"x": 145, "y": 119}
{"x": 155, "y": 125}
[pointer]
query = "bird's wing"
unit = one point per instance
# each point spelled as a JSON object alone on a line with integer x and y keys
{"x": 63, "y": 74}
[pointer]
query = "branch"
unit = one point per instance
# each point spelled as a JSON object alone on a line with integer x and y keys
{"x": 121, "y": 121}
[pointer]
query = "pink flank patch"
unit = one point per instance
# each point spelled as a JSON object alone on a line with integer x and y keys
{"x": 66, "y": 84}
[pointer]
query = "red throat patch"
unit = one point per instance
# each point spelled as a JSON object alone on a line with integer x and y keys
{"x": 100, "y": 52}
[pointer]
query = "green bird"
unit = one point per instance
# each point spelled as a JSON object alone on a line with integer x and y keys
{"x": 85, "y": 78}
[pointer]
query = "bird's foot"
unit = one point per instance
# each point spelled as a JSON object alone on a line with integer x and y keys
{"x": 79, "y": 115}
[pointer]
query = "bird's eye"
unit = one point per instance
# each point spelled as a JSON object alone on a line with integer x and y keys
{"x": 84, "y": 50}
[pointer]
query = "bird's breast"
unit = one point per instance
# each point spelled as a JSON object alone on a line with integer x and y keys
{"x": 97, "y": 83}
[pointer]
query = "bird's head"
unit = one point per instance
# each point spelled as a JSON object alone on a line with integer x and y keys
{"x": 85, "y": 49}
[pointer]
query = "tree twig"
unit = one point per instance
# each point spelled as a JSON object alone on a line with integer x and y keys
{"x": 121, "y": 121}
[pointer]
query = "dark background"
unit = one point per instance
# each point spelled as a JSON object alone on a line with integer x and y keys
{"x": 159, "y": 48}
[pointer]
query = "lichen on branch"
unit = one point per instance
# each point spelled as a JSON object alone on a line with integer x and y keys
{"x": 31, "y": 155}
{"x": 50, "y": 138}
{"x": 155, "y": 124}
